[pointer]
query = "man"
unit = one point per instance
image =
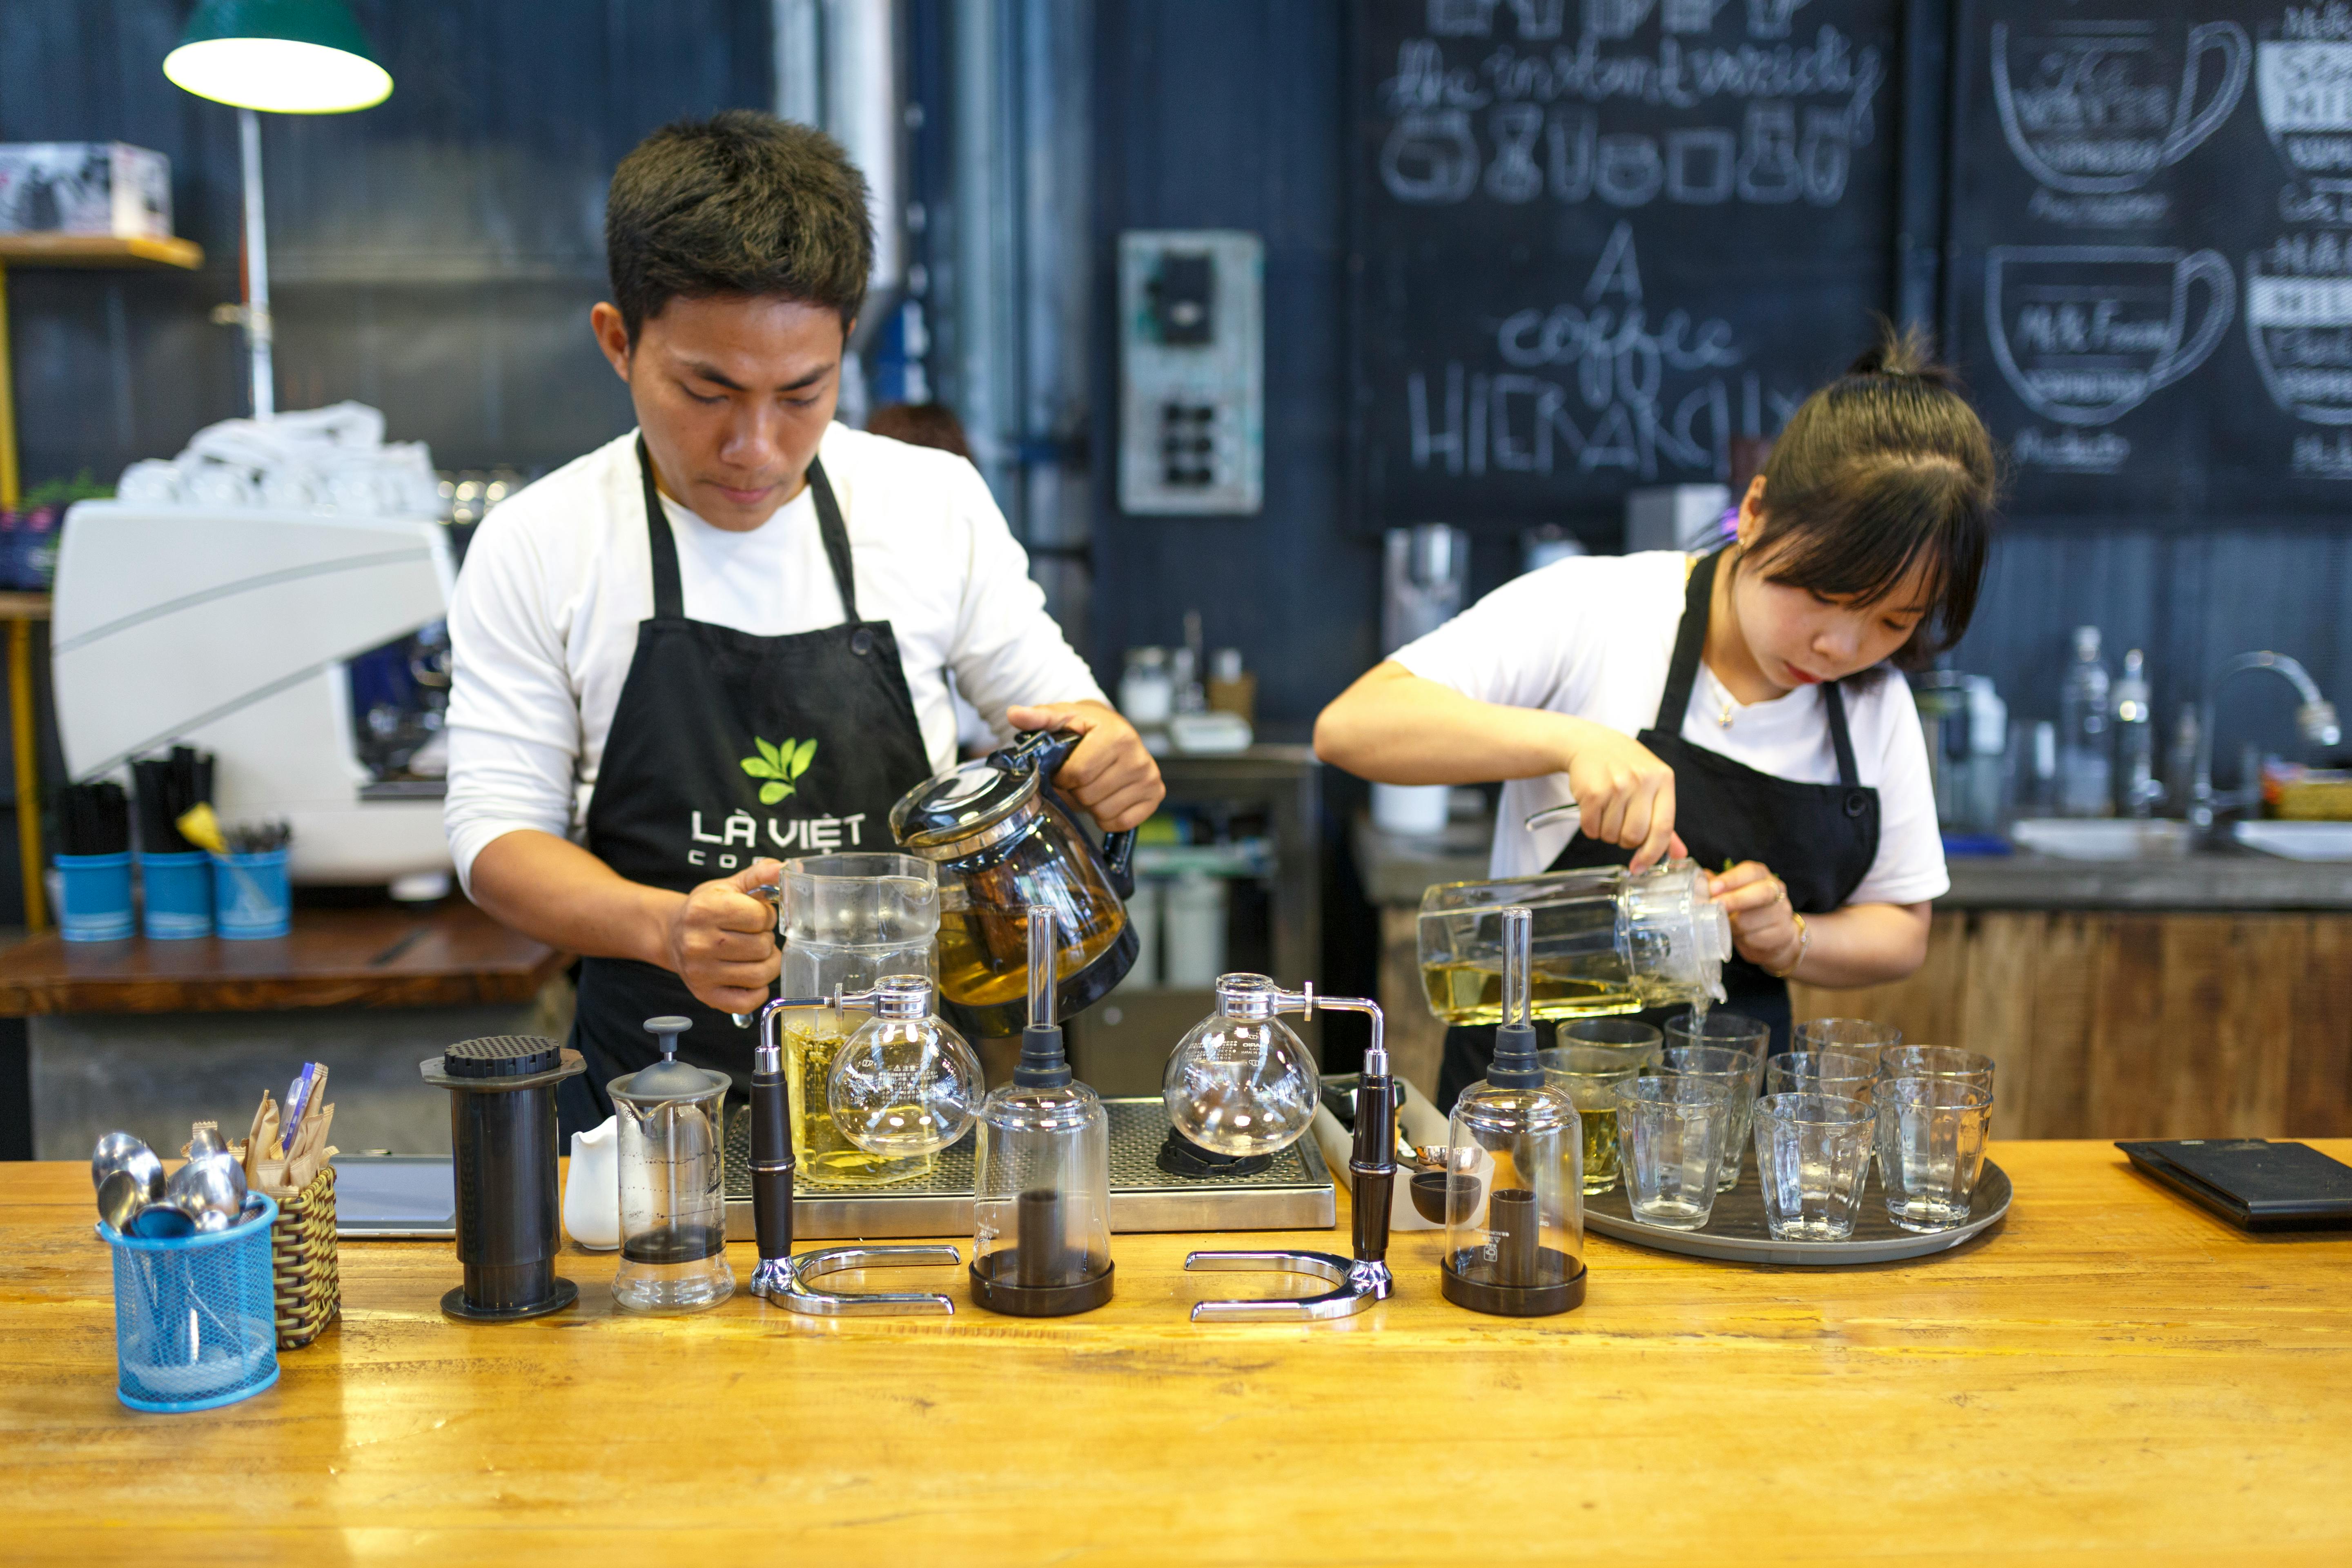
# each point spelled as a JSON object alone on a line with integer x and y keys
{"x": 729, "y": 635}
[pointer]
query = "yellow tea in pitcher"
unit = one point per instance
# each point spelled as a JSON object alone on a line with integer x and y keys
{"x": 1467, "y": 992}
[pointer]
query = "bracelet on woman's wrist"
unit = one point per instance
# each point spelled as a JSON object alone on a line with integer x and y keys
{"x": 1804, "y": 940}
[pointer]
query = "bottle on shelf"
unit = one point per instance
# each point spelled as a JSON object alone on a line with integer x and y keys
{"x": 2086, "y": 754}
{"x": 2138, "y": 790}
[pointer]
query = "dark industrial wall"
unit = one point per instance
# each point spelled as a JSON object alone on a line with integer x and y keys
{"x": 1229, "y": 114}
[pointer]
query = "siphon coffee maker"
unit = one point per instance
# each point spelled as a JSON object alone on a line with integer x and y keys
{"x": 1514, "y": 1169}
{"x": 1240, "y": 1081}
{"x": 1605, "y": 940}
{"x": 1041, "y": 1177}
{"x": 1003, "y": 840}
{"x": 673, "y": 1188}
{"x": 781, "y": 1277}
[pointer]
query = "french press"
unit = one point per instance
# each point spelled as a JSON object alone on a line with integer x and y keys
{"x": 673, "y": 1190}
{"x": 1004, "y": 840}
{"x": 902, "y": 1083}
{"x": 1241, "y": 1082}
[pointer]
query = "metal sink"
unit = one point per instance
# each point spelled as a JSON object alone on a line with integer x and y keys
{"x": 2296, "y": 840}
{"x": 2103, "y": 838}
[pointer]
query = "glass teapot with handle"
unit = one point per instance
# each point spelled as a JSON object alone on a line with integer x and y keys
{"x": 1005, "y": 842}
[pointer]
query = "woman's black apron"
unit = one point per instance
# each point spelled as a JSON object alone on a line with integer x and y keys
{"x": 726, "y": 747}
{"x": 1820, "y": 839}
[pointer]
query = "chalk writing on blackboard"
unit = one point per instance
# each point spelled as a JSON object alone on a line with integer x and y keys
{"x": 2302, "y": 86}
{"x": 2098, "y": 107}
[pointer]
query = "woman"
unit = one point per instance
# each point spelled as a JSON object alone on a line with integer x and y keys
{"x": 1772, "y": 745}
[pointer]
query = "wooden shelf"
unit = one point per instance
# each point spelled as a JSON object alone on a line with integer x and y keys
{"x": 15, "y": 606}
{"x": 97, "y": 250}
{"x": 452, "y": 954}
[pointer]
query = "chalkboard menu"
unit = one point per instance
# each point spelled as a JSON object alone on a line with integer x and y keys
{"x": 2150, "y": 260}
{"x": 1596, "y": 241}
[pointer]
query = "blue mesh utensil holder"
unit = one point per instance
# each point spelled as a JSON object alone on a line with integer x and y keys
{"x": 196, "y": 1317}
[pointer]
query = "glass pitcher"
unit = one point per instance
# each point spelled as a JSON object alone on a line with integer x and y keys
{"x": 1605, "y": 941}
{"x": 1004, "y": 843}
{"x": 849, "y": 921}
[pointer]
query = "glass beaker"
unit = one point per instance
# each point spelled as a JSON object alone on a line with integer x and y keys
{"x": 1241, "y": 1082}
{"x": 673, "y": 1190}
{"x": 1605, "y": 941}
{"x": 848, "y": 922}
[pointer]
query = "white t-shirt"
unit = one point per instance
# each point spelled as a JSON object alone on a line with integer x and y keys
{"x": 544, "y": 622}
{"x": 1592, "y": 635}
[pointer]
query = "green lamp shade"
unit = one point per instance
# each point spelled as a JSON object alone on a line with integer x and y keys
{"x": 290, "y": 57}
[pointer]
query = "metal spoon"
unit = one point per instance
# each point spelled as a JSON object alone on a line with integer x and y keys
{"x": 120, "y": 1152}
{"x": 209, "y": 1190}
{"x": 204, "y": 1139}
{"x": 121, "y": 1200}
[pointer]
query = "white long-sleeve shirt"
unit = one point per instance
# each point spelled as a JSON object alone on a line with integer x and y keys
{"x": 544, "y": 622}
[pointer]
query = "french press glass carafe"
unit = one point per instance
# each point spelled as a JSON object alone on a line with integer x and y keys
{"x": 1004, "y": 842}
{"x": 1604, "y": 940}
{"x": 1515, "y": 1171}
{"x": 673, "y": 1192}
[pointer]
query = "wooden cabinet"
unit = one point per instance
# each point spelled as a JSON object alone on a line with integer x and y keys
{"x": 2134, "y": 1025}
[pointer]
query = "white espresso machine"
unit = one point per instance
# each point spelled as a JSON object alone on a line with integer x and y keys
{"x": 306, "y": 649}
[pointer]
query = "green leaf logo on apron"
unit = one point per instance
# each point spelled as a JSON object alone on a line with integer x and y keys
{"x": 778, "y": 764}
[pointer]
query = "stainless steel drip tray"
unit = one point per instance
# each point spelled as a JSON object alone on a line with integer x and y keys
{"x": 1293, "y": 1194}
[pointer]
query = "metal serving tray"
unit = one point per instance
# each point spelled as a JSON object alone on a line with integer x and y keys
{"x": 1293, "y": 1194}
{"x": 1735, "y": 1232}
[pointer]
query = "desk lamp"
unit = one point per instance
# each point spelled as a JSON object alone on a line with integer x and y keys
{"x": 287, "y": 56}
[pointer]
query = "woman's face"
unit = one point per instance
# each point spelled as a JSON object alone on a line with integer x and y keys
{"x": 1800, "y": 638}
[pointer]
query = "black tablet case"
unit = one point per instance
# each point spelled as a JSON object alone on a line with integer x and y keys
{"x": 2253, "y": 1183}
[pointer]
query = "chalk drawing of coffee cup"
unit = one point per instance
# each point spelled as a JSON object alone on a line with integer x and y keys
{"x": 2085, "y": 334}
{"x": 2094, "y": 107}
{"x": 2304, "y": 89}
{"x": 2300, "y": 329}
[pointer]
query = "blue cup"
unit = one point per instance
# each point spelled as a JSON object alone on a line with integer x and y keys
{"x": 195, "y": 1317}
{"x": 179, "y": 895}
{"x": 94, "y": 897}
{"x": 251, "y": 898}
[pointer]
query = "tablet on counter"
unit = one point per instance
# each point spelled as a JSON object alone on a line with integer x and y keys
{"x": 396, "y": 1196}
{"x": 2253, "y": 1183}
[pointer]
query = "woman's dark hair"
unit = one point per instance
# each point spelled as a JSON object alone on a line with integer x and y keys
{"x": 741, "y": 203}
{"x": 1885, "y": 470}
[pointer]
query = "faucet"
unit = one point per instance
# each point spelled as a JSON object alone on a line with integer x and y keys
{"x": 2314, "y": 717}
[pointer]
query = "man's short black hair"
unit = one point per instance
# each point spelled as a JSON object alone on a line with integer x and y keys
{"x": 741, "y": 203}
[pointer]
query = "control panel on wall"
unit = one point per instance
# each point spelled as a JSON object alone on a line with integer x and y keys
{"x": 1191, "y": 371}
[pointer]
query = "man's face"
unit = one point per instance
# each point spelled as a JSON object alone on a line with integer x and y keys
{"x": 733, "y": 393}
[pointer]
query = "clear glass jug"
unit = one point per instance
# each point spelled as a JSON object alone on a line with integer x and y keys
{"x": 849, "y": 921}
{"x": 673, "y": 1189}
{"x": 1605, "y": 941}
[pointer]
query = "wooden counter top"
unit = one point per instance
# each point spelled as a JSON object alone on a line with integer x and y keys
{"x": 378, "y": 956}
{"x": 2114, "y": 1376}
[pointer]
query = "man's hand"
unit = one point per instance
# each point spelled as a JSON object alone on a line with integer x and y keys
{"x": 722, "y": 940}
{"x": 1110, "y": 773}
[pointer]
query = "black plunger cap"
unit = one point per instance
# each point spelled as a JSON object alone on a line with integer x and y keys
{"x": 501, "y": 1055}
{"x": 1515, "y": 1065}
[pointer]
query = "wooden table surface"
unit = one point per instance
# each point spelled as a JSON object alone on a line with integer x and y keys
{"x": 2112, "y": 1375}
{"x": 378, "y": 955}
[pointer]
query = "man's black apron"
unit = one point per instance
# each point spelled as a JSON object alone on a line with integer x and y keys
{"x": 1820, "y": 839}
{"x": 726, "y": 747}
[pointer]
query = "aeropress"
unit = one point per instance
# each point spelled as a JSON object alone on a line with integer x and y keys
{"x": 502, "y": 1146}
{"x": 1041, "y": 1181}
{"x": 1241, "y": 1082}
{"x": 1514, "y": 1170}
{"x": 904, "y": 1083}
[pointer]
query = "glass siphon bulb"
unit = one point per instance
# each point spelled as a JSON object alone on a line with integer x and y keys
{"x": 904, "y": 1086}
{"x": 1241, "y": 1086}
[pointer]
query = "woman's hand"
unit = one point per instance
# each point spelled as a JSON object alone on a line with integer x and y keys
{"x": 1763, "y": 922}
{"x": 1626, "y": 796}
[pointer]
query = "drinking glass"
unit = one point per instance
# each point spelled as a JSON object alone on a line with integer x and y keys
{"x": 1931, "y": 1144}
{"x": 1672, "y": 1132}
{"x": 1847, "y": 1074}
{"x": 1739, "y": 1072}
{"x": 1812, "y": 1152}
{"x": 1937, "y": 1061}
{"x": 1724, "y": 1031}
{"x": 1863, "y": 1034}
{"x": 1589, "y": 1073}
